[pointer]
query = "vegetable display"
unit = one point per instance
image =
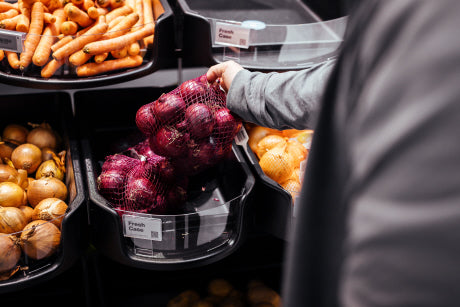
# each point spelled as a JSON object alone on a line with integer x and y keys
{"x": 187, "y": 131}
{"x": 33, "y": 195}
{"x": 108, "y": 36}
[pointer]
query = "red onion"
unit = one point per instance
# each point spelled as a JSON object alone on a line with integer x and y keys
{"x": 168, "y": 107}
{"x": 175, "y": 198}
{"x": 200, "y": 120}
{"x": 203, "y": 79}
{"x": 111, "y": 184}
{"x": 146, "y": 120}
{"x": 169, "y": 142}
{"x": 226, "y": 124}
{"x": 140, "y": 194}
{"x": 118, "y": 162}
{"x": 192, "y": 90}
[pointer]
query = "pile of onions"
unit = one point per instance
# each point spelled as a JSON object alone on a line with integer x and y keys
{"x": 27, "y": 156}
{"x": 46, "y": 187}
{"x": 50, "y": 209}
{"x": 12, "y": 195}
{"x": 16, "y": 134}
{"x": 10, "y": 253}
{"x": 40, "y": 239}
{"x": 43, "y": 136}
{"x": 12, "y": 220}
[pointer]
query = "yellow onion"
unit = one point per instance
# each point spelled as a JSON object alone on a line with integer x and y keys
{"x": 42, "y": 136}
{"x": 28, "y": 211}
{"x": 50, "y": 209}
{"x": 10, "y": 253}
{"x": 27, "y": 156}
{"x": 8, "y": 173}
{"x": 15, "y": 134}
{"x": 5, "y": 150}
{"x": 12, "y": 220}
{"x": 40, "y": 239}
{"x": 47, "y": 154}
{"x": 49, "y": 168}
{"x": 46, "y": 187}
{"x": 12, "y": 195}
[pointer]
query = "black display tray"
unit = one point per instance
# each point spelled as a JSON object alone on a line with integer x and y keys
{"x": 161, "y": 55}
{"x": 107, "y": 125}
{"x": 56, "y": 109}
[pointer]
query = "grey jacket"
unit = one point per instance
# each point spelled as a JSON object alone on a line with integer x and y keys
{"x": 379, "y": 216}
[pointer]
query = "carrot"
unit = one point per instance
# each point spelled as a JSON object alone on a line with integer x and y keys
{"x": 148, "y": 18}
{"x": 87, "y": 4}
{"x": 115, "y": 21}
{"x": 33, "y": 36}
{"x": 2, "y": 55}
{"x": 103, "y": 3}
{"x": 51, "y": 67}
{"x": 118, "y": 42}
{"x": 55, "y": 4}
{"x": 69, "y": 27}
{"x": 94, "y": 12}
{"x": 75, "y": 14}
{"x": 84, "y": 30}
{"x": 13, "y": 59}
{"x": 124, "y": 26}
{"x": 79, "y": 58}
{"x": 61, "y": 42}
{"x": 77, "y": 2}
{"x": 116, "y": 3}
{"x": 6, "y": 6}
{"x": 99, "y": 58}
{"x": 23, "y": 23}
{"x": 134, "y": 48}
{"x": 120, "y": 53}
{"x": 43, "y": 50}
{"x": 123, "y": 10}
{"x": 92, "y": 35}
{"x": 8, "y": 14}
{"x": 10, "y": 23}
{"x": 49, "y": 18}
{"x": 92, "y": 69}
{"x": 139, "y": 8}
{"x": 158, "y": 9}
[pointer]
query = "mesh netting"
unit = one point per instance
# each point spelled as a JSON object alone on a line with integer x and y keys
{"x": 188, "y": 130}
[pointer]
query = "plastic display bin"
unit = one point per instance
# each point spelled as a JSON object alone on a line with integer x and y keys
{"x": 268, "y": 35}
{"x": 55, "y": 109}
{"x": 156, "y": 55}
{"x": 217, "y": 203}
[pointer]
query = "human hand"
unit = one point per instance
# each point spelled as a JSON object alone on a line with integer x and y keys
{"x": 223, "y": 73}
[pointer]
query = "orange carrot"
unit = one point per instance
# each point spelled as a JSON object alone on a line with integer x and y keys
{"x": 116, "y": 3}
{"x": 54, "y": 5}
{"x": 118, "y": 42}
{"x": 51, "y": 67}
{"x": 10, "y": 23}
{"x": 87, "y": 4}
{"x": 23, "y": 23}
{"x": 69, "y": 27}
{"x": 8, "y": 14}
{"x": 61, "y": 42}
{"x": 148, "y": 18}
{"x": 75, "y": 14}
{"x": 124, "y": 26}
{"x": 33, "y": 37}
{"x": 139, "y": 8}
{"x": 99, "y": 58}
{"x": 94, "y": 12}
{"x": 115, "y": 21}
{"x": 158, "y": 9}
{"x": 2, "y": 55}
{"x": 84, "y": 30}
{"x": 77, "y": 2}
{"x": 120, "y": 53}
{"x": 120, "y": 11}
{"x": 79, "y": 58}
{"x": 43, "y": 50}
{"x": 6, "y": 6}
{"x": 13, "y": 59}
{"x": 92, "y": 35}
{"x": 92, "y": 69}
{"x": 49, "y": 18}
{"x": 134, "y": 48}
{"x": 103, "y": 3}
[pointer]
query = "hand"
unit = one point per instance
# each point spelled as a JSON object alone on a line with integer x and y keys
{"x": 223, "y": 73}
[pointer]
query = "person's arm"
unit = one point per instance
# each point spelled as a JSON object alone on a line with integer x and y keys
{"x": 276, "y": 100}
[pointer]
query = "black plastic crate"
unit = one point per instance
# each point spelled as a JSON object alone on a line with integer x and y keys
{"x": 55, "y": 109}
{"x": 219, "y": 196}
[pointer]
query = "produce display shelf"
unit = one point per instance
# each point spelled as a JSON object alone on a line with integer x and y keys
{"x": 259, "y": 35}
{"x": 216, "y": 214}
{"x": 56, "y": 110}
{"x": 69, "y": 72}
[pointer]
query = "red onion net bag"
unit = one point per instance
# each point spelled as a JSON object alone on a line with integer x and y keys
{"x": 190, "y": 125}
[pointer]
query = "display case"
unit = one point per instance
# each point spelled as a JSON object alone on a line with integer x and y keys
{"x": 260, "y": 35}
{"x": 73, "y": 46}
{"x": 216, "y": 215}
{"x": 46, "y": 249}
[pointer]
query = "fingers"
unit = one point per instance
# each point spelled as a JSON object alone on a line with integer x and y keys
{"x": 223, "y": 73}
{"x": 216, "y": 72}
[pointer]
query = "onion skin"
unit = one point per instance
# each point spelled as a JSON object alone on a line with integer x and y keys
{"x": 46, "y": 187}
{"x": 118, "y": 162}
{"x": 8, "y": 173}
{"x": 42, "y": 136}
{"x": 10, "y": 253}
{"x": 227, "y": 126}
{"x": 12, "y": 220}
{"x": 50, "y": 209}
{"x": 27, "y": 156}
{"x": 49, "y": 168}
{"x": 40, "y": 239}
{"x": 15, "y": 134}
{"x": 47, "y": 154}
{"x": 192, "y": 91}
{"x": 12, "y": 195}
{"x": 27, "y": 210}
{"x": 145, "y": 119}
{"x": 169, "y": 142}
{"x": 200, "y": 120}
{"x": 169, "y": 107}
{"x": 140, "y": 194}
{"x": 6, "y": 149}
{"x": 110, "y": 185}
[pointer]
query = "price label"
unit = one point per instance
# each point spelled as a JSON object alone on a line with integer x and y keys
{"x": 140, "y": 227}
{"x": 232, "y": 35}
{"x": 12, "y": 40}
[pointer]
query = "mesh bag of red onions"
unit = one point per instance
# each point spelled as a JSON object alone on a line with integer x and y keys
{"x": 187, "y": 131}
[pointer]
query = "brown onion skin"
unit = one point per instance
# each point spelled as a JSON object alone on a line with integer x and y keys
{"x": 50, "y": 209}
{"x": 6, "y": 149}
{"x": 10, "y": 253}
{"x": 12, "y": 220}
{"x": 49, "y": 168}
{"x": 15, "y": 134}
{"x": 27, "y": 156}
{"x": 12, "y": 195}
{"x": 46, "y": 187}
{"x": 8, "y": 173}
{"x": 27, "y": 210}
{"x": 40, "y": 239}
{"x": 42, "y": 137}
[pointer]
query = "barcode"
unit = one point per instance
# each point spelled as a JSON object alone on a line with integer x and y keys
{"x": 242, "y": 42}
{"x": 154, "y": 234}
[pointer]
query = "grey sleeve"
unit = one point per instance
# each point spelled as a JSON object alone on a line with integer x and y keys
{"x": 279, "y": 100}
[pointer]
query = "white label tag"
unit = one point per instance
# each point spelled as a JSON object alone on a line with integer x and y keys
{"x": 12, "y": 40}
{"x": 142, "y": 227}
{"x": 232, "y": 35}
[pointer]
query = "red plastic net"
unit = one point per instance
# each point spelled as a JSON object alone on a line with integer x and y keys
{"x": 188, "y": 130}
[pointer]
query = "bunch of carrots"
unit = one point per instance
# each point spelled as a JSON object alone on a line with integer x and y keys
{"x": 93, "y": 36}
